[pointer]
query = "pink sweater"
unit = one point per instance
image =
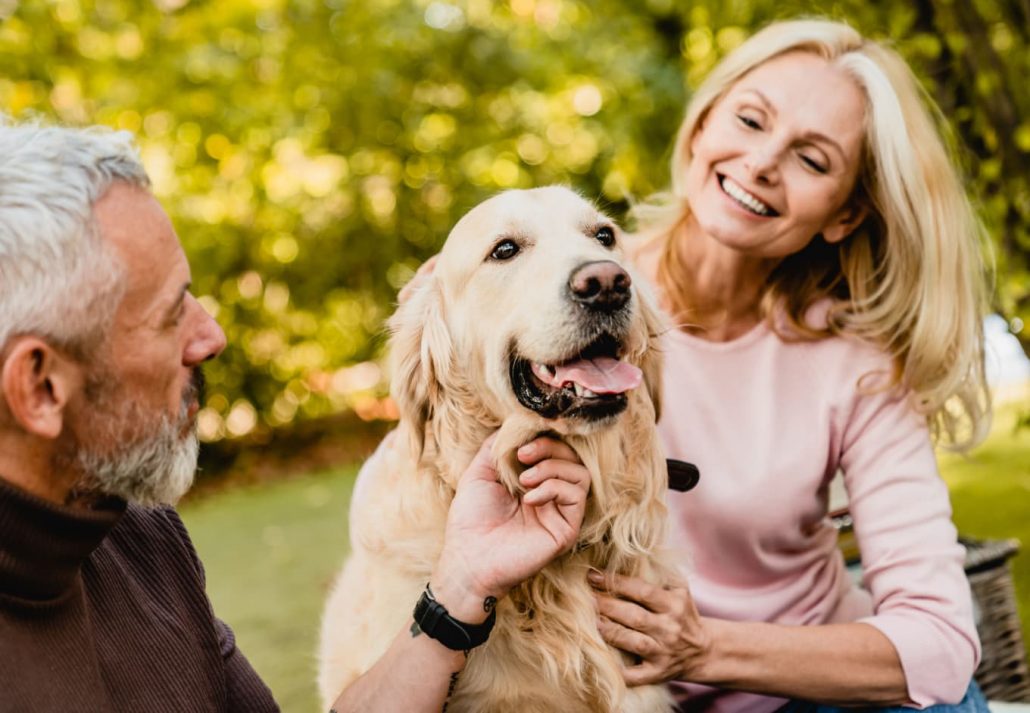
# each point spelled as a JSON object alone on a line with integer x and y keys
{"x": 769, "y": 423}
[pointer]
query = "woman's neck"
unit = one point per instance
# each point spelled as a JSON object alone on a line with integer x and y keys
{"x": 723, "y": 286}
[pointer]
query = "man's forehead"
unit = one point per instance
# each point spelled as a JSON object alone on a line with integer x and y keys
{"x": 136, "y": 227}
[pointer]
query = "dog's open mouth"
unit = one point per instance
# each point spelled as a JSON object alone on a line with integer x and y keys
{"x": 591, "y": 385}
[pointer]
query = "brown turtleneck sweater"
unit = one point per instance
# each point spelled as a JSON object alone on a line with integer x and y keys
{"x": 105, "y": 610}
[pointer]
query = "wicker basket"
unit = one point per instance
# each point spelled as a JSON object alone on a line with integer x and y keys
{"x": 1003, "y": 673}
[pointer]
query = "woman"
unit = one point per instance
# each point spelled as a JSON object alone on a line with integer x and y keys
{"x": 821, "y": 262}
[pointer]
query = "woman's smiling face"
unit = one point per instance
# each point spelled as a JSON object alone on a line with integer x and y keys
{"x": 776, "y": 159}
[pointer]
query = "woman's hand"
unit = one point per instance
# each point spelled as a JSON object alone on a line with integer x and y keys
{"x": 495, "y": 540}
{"x": 659, "y": 625}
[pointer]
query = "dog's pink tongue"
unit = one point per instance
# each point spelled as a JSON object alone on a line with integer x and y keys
{"x": 602, "y": 375}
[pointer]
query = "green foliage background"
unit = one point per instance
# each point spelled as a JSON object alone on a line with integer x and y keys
{"x": 313, "y": 153}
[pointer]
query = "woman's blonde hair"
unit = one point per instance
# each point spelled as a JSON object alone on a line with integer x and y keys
{"x": 911, "y": 277}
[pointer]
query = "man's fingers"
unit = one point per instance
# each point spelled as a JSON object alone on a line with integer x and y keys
{"x": 540, "y": 448}
{"x": 555, "y": 490}
{"x": 557, "y": 525}
{"x": 560, "y": 469}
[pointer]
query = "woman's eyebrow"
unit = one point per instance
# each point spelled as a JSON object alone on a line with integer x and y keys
{"x": 809, "y": 135}
{"x": 764, "y": 99}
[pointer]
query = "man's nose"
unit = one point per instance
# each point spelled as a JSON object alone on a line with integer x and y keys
{"x": 206, "y": 341}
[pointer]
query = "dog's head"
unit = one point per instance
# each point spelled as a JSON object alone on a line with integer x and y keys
{"x": 531, "y": 309}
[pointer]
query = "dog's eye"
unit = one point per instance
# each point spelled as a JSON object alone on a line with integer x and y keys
{"x": 505, "y": 250}
{"x": 605, "y": 235}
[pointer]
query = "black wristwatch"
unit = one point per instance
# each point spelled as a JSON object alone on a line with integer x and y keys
{"x": 432, "y": 618}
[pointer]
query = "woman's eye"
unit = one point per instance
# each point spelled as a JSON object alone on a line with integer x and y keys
{"x": 748, "y": 122}
{"x": 813, "y": 164}
{"x": 505, "y": 250}
{"x": 605, "y": 235}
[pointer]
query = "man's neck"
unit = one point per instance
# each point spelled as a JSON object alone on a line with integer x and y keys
{"x": 28, "y": 465}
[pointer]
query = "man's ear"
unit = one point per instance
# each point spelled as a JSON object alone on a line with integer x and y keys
{"x": 37, "y": 381}
{"x": 845, "y": 221}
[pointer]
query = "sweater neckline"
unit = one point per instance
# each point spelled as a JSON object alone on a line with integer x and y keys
{"x": 744, "y": 340}
{"x": 43, "y": 545}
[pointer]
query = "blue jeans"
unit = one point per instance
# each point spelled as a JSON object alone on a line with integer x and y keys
{"x": 974, "y": 702}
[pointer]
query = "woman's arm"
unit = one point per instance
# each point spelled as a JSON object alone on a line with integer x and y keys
{"x": 919, "y": 646}
{"x": 835, "y": 664}
{"x": 492, "y": 542}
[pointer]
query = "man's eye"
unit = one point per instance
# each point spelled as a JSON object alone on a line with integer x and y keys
{"x": 505, "y": 250}
{"x": 605, "y": 235}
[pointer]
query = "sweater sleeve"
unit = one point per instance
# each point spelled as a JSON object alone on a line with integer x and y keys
{"x": 245, "y": 691}
{"x": 912, "y": 562}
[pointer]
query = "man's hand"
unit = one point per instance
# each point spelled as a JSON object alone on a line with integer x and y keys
{"x": 494, "y": 540}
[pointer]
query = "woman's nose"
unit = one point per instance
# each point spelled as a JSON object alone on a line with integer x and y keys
{"x": 762, "y": 163}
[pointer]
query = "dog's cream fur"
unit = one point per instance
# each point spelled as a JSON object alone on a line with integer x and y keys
{"x": 450, "y": 353}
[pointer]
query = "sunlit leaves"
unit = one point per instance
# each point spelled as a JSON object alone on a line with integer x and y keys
{"x": 312, "y": 153}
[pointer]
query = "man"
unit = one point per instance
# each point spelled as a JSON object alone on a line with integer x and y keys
{"x": 102, "y": 604}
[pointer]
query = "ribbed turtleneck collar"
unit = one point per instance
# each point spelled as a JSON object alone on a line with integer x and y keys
{"x": 43, "y": 545}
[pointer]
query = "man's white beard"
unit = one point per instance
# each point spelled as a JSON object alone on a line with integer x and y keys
{"x": 124, "y": 450}
{"x": 153, "y": 470}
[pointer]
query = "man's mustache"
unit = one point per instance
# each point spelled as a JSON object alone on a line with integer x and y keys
{"x": 195, "y": 388}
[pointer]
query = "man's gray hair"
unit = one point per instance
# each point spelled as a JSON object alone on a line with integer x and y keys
{"x": 58, "y": 280}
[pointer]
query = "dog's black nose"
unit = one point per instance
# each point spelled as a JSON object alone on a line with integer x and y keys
{"x": 601, "y": 285}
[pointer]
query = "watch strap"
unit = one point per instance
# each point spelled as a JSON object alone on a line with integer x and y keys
{"x": 432, "y": 617}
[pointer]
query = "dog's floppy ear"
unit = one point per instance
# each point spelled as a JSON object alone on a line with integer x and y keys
{"x": 420, "y": 355}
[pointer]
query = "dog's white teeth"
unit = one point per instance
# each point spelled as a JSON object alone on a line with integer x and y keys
{"x": 583, "y": 392}
{"x": 543, "y": 371}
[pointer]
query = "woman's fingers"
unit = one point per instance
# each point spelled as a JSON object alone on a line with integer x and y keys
{"x": 628, "y": 614}
{"x": 653, "y": 597}
{"x": 643, "y": 674}
{"x": 626, "y": 639}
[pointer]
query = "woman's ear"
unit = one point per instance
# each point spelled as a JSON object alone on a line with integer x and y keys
{"x": 37, "y": 382}
{"x": 845, "y": 221}
{"x": 420, "y": 352}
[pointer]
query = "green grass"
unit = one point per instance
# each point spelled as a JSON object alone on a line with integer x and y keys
{"x": 271, "y": 551}
{"x": 270, "y": 554}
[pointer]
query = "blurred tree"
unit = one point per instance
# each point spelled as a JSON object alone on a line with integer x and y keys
{"x": 313, "y": 152}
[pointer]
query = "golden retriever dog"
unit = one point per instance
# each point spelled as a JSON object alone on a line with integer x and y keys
{"x": 530, "y": 323}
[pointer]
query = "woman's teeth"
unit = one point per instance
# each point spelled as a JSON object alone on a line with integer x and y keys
{"x": 747, "y": 200}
